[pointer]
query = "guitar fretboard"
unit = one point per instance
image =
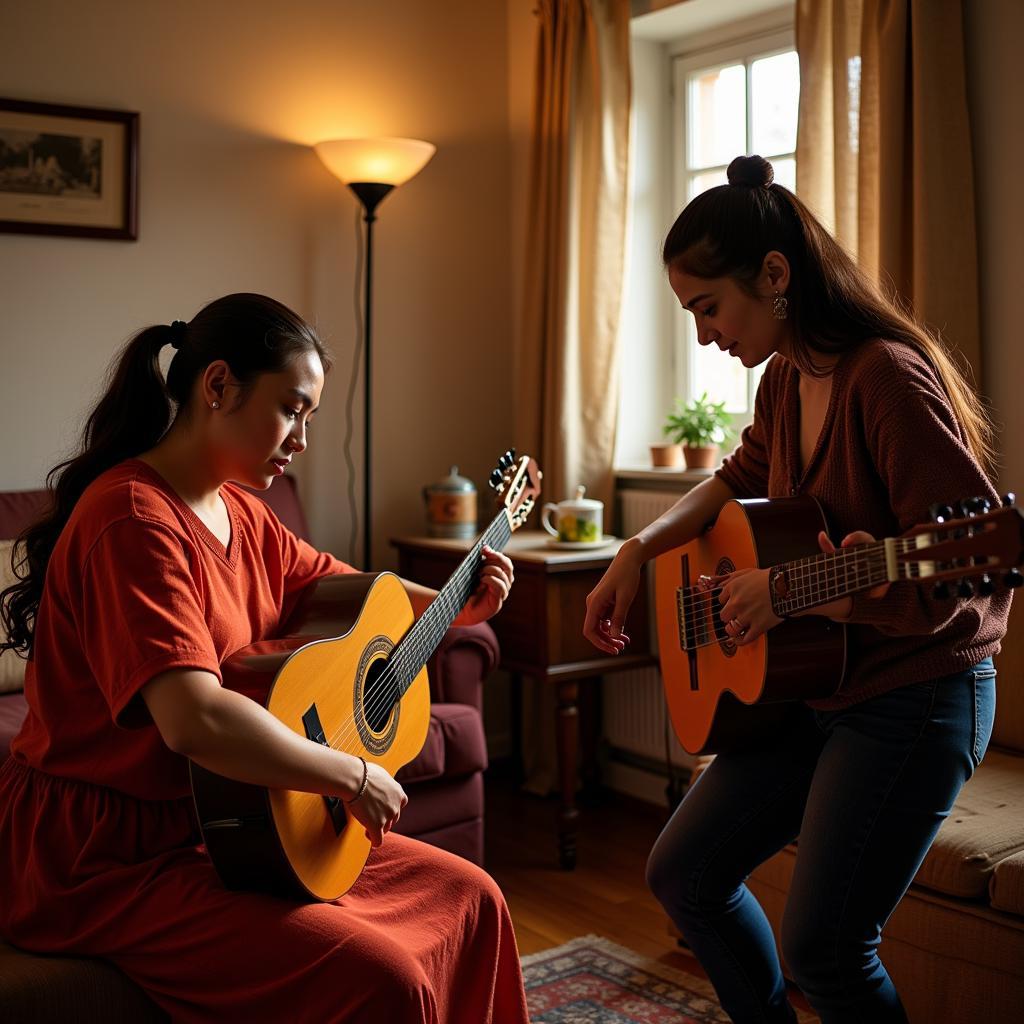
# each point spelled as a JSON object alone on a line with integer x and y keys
{"x": 416, "y": 647}
{"x": 809, "y": 582}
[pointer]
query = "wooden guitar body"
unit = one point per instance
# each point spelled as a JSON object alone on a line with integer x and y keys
{"x": 721, "y": 696}
{"x": 318, "y": 682}
{"x": 348, "y": 671}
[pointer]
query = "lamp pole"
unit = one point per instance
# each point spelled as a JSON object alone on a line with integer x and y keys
{"x": 371, "y": 168}
{"x": 369, "y": 193}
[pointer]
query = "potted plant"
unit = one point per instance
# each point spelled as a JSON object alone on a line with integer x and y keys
{"x": 699, "y": 426}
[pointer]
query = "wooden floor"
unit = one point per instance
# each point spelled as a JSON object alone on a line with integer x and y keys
{"x": 605, "y": 895}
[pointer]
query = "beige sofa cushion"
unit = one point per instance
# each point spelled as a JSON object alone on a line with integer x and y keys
{"x": 985, "y": 827}
{"x": 12, "y": 668}
{"x": 1006, "y": 888}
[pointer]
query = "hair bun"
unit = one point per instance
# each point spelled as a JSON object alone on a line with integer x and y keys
{"x": 753, "y": 171}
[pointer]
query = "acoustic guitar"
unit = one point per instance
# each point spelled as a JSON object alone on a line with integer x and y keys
{"x": 721, "y": 696}
{"x": 348, "y": 672}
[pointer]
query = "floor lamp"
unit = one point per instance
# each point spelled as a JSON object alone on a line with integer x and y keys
{"x": 371, "y": 168}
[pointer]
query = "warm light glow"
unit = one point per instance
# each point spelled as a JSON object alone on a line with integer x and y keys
{"x": 386, "y": 161}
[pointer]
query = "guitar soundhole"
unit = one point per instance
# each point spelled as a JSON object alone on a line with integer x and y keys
{"x": 376, "y": 706}
{"x": 380, "y": 695}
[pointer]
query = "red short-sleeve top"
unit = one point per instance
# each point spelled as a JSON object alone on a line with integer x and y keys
{"x": 137, "y": 585}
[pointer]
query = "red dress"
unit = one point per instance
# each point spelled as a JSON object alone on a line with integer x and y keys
{"x": 99, "y": 850}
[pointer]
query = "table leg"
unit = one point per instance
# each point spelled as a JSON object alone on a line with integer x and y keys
{"x": 567, "y": 732}
{"x": 590, "y": 740}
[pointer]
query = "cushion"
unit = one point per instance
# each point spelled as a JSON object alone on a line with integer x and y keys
{"x": 57, "y": 988}
{"x": 454, "y": 746}
{"x": 1006, "y": 887}
{"x": 985, "y": 827}
{"x": 12, "y": 667}
{"x": 19, "y": 509}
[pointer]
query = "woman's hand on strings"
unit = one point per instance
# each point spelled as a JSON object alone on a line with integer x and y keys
{"x": 380, "y": 805}
{"x": 496, "y": 578}
{"x": 746, "y": 606}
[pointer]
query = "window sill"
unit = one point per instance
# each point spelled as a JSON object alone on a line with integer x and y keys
{"x": 639, "y": 474}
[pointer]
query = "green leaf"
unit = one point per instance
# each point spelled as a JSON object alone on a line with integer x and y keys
{"x": 698, "y": 423}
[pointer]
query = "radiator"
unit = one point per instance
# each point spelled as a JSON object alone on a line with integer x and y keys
{"x": 633, "y": 705}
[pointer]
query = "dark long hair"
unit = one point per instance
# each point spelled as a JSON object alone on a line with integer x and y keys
{"x": 253, "y": 334}
{"x": 728, "y": 230}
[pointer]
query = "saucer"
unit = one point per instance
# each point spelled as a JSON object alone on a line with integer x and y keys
{"x": 581, "y": 545}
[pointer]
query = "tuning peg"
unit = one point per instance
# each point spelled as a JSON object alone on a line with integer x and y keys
{"x": 506, "y": 461}
{"x": 941, "y": 513}
{"x": 1013, "y": 578}
{"x": 941, "y": 591}
{"x": 1008, "y": 499}
{"x": 986, "y": 585}
{"x": 495, "y": 479}
{"x": 971, "y": 506}
{"x": 965, "y": 588}
{"x": 984, "y": 505}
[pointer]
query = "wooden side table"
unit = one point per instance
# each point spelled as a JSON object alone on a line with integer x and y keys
{"x": 540, "y": 630}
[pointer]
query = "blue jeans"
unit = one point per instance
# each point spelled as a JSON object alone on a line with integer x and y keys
{"x": 865, "y": 789}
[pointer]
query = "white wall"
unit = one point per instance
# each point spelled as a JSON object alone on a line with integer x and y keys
{"x": 231, "y": 94}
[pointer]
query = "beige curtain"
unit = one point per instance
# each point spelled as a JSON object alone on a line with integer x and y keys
{"x": 884, "y": 150}
{"x": 567, "y": 358}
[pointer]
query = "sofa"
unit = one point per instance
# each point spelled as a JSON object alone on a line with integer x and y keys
{"x": 955, "y": 944}
{"x": 444, "y": 783}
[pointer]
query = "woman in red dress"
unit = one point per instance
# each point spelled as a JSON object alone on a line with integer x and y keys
{"x": 151, "y": 569}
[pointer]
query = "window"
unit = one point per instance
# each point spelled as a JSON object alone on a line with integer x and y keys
{"x": 735, "y": 99}
{"x": 704, "y": 91}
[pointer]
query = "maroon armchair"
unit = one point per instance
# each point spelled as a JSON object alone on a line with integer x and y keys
{"x": 444, "y": 783}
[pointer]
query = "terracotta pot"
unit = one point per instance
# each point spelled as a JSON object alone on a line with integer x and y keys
{"x": 702, "y": 457}
{"x": 666, "y": 454}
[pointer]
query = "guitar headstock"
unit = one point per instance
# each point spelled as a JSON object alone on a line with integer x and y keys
{"x": 967, "y": 541}
{"x": 517, "y": 482}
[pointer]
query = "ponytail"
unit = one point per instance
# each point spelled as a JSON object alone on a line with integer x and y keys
{"x": 252, "y": 333}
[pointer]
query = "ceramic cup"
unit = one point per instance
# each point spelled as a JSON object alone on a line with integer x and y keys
{"x": 578, "y": 520}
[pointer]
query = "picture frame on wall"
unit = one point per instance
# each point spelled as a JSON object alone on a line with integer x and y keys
{"x": 68, "y": 170}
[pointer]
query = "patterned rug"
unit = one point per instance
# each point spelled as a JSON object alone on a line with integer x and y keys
{"x": 593, "y": 981}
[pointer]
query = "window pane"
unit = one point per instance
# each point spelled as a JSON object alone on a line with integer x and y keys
{"x": 702, "y": 182}
{"x": 721, "y": 376}
{"x": 785, "y": 172}
{"x": 717, "y": 116}
{"x": 775, "y": 90}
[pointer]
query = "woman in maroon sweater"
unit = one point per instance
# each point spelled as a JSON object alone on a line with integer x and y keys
{"x": 863, "y": 409}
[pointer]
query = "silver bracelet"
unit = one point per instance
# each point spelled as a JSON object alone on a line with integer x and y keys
{"x": 362, "y": 785}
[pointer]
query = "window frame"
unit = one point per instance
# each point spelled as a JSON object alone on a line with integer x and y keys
{"x": 685, "y": 63}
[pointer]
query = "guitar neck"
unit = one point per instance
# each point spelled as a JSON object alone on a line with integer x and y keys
{"x": 428, "y": 630}
{"x": 818, "y": 579}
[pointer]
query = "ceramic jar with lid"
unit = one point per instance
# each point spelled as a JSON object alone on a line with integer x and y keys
{"x": 451, "y": 506}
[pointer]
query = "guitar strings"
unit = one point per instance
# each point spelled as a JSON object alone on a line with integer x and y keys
{"x": 400, "y": 662}
{"x": 384, "y": 685}
{"x": 806, "y": 574}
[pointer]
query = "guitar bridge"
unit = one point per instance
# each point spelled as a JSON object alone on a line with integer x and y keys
{"x": 315, "y": 732}
{"x": 681, "y": 618}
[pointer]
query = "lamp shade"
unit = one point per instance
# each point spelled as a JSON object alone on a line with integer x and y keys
{"x": 386, "y": 161}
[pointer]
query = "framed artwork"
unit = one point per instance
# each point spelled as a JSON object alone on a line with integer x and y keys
{"x": 68, "y": 170}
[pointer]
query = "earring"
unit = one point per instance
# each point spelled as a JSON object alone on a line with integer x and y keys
{"x": 215, "y": 405}
{"x": 780, "y": 307}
